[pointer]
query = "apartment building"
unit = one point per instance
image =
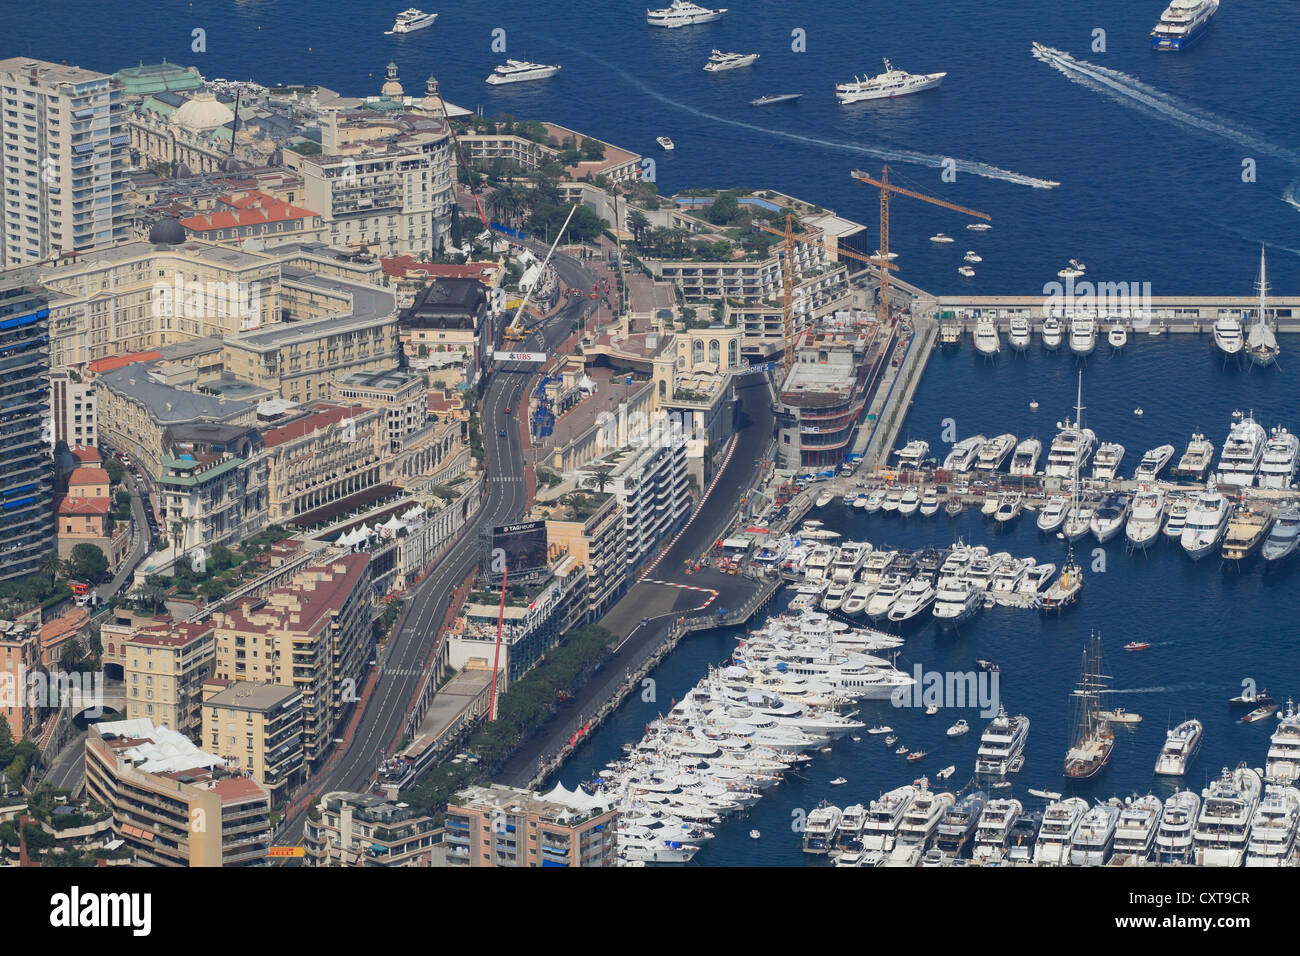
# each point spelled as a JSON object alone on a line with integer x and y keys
{"x": 331, "y": 453}
{"x": 72, "y": 409}
{"x": 650, "y": 483}
{"x": 26, "y": 462}
{"x": 591, "y": 528}
{"x": 166, "y": 664}
{"x": 257, "y": 728}
{"x": 824, "y": 397}
{"x": 503, "y": 826}
{"x": 364, "y": 829}
{"x": 213, "y": 485}
{"x": 172, "y": 803}
{"x": 20, "y": 655}
{"x": 62, "y": 157}
{"x": 313, "y": 635}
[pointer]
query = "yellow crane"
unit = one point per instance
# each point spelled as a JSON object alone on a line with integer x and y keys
{"x": 787, "y": 275}
{"x": 886, "y": 187}
{"x": 516, "y": 331}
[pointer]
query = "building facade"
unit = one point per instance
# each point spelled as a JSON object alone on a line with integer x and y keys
{"x": 72, "y": 409}
{"x": 213, "y": 485}
{"x": 257, "y": 728}
{"x": 364, "y": 829}
{"x": 166, "y": 665}
{"x": 502, "y": 826}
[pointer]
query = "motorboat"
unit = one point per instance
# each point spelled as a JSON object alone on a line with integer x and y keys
{"x": 978, "y": 227}
{"x": 1002, "y": 744}
{"x": 910, "y": 502}
{"x": 1105, "y": 463}
{"x": 720, "y": 62}
{"x": 1078, "y": 521}
{"x": 1117, "y": 336}
{"x": 772, "y": 99}
{"x": 1119, "y": 716}
{"x": 1051, "y": 333}
{"x": 1176, "y": 522}
{"x": 987, "y": 340}
{"x": 1206, "y": 524}
{"x": 1283, "y": 537}
{"x": 1025, "y": 459}
{"x": 1246, "y": 531}
{"x": 1053, "y": 514}
{"x": 959, "y": 729}
{"x": 1019, "y": 335}
{"x": 963, "y": 454}
{"x": 1070, "y": 450}
{"x": 1273, "y": 827}
{"x": 1177, "y": 824}
{"x": 1182, "y": 23}
{"x": 1010, "y": 504}
{"x": 682, "y": 13}
{"x": 914, "y": 600}
{"x": 521, "y": 71}
{"x": 966, "y": 272}
{"x": 1144, "y": 517}
{"x": 929, "y": 503}
{"x": 890, "y": 589}
{"x": 886, "y": 85}
{"x": 665, "y": 143}
{"x": 1227, "y": 334}
{"x": 1095, "y": 835}
{"x": 821, "y": 828}
{"x": 1108, "y": 520}
{"x": 1153, "y": 462}
{"x": 1083, "y": 335}
{"x": 410, "y": 20}
{"x": 972, "y": 256}
{"x": 913, "y": 454}
{"x": 1196, "y": 459}
{"x": 959, "y": 823}
{"x": 1135, "y": 833}
{"x": 892, "y": 498}
{"x": 994, "y": 452}
{"x": 1036, "y": 578}
{"x": 955, "y": 602}
{"x": 1282, "y": 765}
{"x": 941, "y": 239}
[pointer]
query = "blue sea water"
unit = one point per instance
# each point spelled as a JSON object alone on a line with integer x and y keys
{"x": 1151, "y": 176}
{"x": 1150, "y": 165}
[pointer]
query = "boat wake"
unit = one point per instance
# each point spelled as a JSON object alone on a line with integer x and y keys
{"x": 889, "y": 155}
{"x": 1132, "y": 92}
{"x": 1170, "y": 689}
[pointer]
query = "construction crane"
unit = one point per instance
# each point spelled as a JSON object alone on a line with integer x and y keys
{"x": 787, "y": 276}
{"x": 886, "y": 187}
{"x": 515, "y": 331}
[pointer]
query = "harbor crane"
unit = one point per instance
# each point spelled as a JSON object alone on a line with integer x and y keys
{"x": 515, "y": 331}
{"x": 886, "y": 187}
{"x": 787, "y": 275}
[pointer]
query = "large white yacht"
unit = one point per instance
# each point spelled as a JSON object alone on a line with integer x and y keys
{"x": 1153, "y": 462}
{"x": 994, "y": 452}
{"x": 1070, "y": 450}
{"x": 1282, "y": 766}
{"x": 1095, "y": 835}
{"x": 1109, "y": 518}
{"x": 1135, "y": 834}
{"x": 521, "y": 71}
{"x": 682, "y": 13}
{"x": 821, "y": 828}
{"x": 1083, "y": 335}
{"x": 1019, "y": 334}
{"x": 1051, "y": 333}
{"x": 1025, "y": 459}
{"x": 913, "y": 453}
{"x": 1180, "y": 748}
{"x": 1196, "y": 459}
{"x": 964, "y": 453}
{"x": 887, "y": 592}
{"x": 885, "y": 85}
{"x": 1177, "y": 823}
{"x": 955, "y": 601}
{"x": 1278, "y": 466}
{"x": 993, "y": 834}
{"x": 640, "y": 844}
{"x": 1144, "y": 518}
{"x": 1182, "y": 22}
{"x": 1207, "y": 521}
{"x": 1060, "y": 821}
{"x": 883, "y": 817}
{"x": 1053, "y": 514}
{"x": 408, "y": 21}
{"x": 1227, "y": 807}
{"x": 1105, "y": 464}
{"x": 719, "y": 61}
{"x": 987, "y": 341}
{"x": 914, "y": 601}
{"x": 1002, "y": 745}
{"x": 1273, "y": 827}
{"x": 1227, "y": 335}
{"x": 851, "y": 557}
{"x": 1242, "y": 451}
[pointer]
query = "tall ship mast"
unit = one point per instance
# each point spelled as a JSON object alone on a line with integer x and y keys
{"x": 1064, "y": 591}
{"x": 1093, "y": 738}
{"x": 1261, "y": 343}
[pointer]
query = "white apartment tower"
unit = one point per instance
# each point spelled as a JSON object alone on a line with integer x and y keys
{"x": 62, "y": 156}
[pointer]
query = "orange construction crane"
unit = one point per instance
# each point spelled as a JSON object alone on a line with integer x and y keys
{"x": 787, "y": 275}
{"x": 886, "y": 187}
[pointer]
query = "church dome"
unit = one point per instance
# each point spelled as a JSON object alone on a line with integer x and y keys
{"x": 202, "y": 113}
{"x": 167, "y": 232}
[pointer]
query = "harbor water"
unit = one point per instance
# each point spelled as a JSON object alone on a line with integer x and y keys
{"x": 1209, "y": 625}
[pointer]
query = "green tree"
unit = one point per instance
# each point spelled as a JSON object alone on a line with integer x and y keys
{"x": 638, "y": 223}
{"x": 724, "y": 210}
{"x": 115, "y": 469}
{"x": 592, "y": 149}
{"x": 88, "y": 563}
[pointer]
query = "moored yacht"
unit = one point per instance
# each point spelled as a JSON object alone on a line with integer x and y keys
{"x": 1278, "y": 466}
{"x": 1273, "y": 827}
{"x": 1117, "y": 335}
{"x": 1177, "y": 520}
{"x": 821, "y": 829}
{"x": 913, "y": 453}
{"x": 987, "y": 340}
{"x": 1025, "y": 460}
{"x": 959, "y": 823}
{"x": 1153, "y": 462}
{"x": 521, "y": 71}
{"x": 1196, "y": 459}
{"x": 1051, "y": 333}
{"x": 913, "y": 602}
{"x": 1010, "y": 504}
{"x": 1207, "y": 520}
{"x": 1177, "y": 824}
{"x": 1095, "y": 835}
{"x": 1261, "y": 340}
{"x": 887, "y": 593}
{"x": 923, "y": 816}
{"x": 1105, "y": 464}
{"x": 682, "y": 13}
{"x": 883, "y": 817}
{"x": 1019, "y": 335}
{"x": 1053, "y": 514}
{"x": 964, "y": 453}
{"x": 1060, "y": 821}
{"x": 1282, "y": 765}
{"x": 993, "y": 833}
{"x": 1135, "y": 834}
{"x": 1145, "y": 516}
{"x": 1002, "y": 744}
{"x": 1284, "y": 536}
{"x": 1227, "y": 335}
{"x": 1070, "y": 450}
{"x": 994, "y": 452}
{"x": 889, "y": 84}
{"x": 1242, "y": 452}
{"x": 1227, "y": 807}
{"x": 1245, "y": 533}
{"x": 1109, "y": 518}
{"x": 955, "y": 602}
{"x": 1083, "y": 335}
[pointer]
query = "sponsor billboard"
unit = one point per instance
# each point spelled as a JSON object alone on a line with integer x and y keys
{"x": 522, "y": 546}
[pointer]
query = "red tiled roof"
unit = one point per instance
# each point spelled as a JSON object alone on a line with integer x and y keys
{"x": 121, "y": 361}
{"x": 250, "y": 210}
{"x": 87, "y": 453}
{"x": 84, "y": 506}
{"x": 315, "y": 599}
{"x": 328, "y": 415}
{"x": 88, "y": 475}
{"x": 399, "y": 266}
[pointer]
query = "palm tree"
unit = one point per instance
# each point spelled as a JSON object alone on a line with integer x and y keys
{"x": 602, "y": 476}
{"x": 51, "y": 564}
{"x": 638, "y": 223}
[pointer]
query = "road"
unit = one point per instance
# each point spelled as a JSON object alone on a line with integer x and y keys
{"x": 403, "y": 663}
{"x": 139, "y": 543}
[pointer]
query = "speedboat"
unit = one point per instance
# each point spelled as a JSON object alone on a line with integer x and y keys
{"x": 966, "y": 272}
{"x": 1019, "y": 334}
{"x": 1053, "y": 514}
{"x": 1108, "y": 519}
{"x": 1025, "y": 460}
{"x": 1051, "y": 333}
{"x": 665, "y": 143}
{"x": 972, "y": 256}
{"x": 886, "y": 85}
{"x": 1207, "y": 521}
{"x": 1180, "y": 748}
{"x": 959, "y": 729}
{"x": 772, "y": 99}
{"x": 940, "y": 238}
{"x": 979, "y": 227}
{"x": 682, "y": 13}
{"x": 1145, "y": 517}
{"x": 1284, "y": 536}
{"x": 1105, "y": 464}
{"x": 719, "y": 61}
{"x": 408, "y": 21}
{"x": 1153, "y": 462}
{"x": 521, "y": 71}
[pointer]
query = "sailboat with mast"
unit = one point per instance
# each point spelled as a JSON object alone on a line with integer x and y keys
{"x": 1094, "y": 740}
{"x": 1064, "y": 591}
{"x": 1261, "y": 342}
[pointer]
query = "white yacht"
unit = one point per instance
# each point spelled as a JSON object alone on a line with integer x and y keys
{"x": 984, "y": 568}
{"x": 889, "y": 590}
{"x": 1135, "y": 834}
{"x": 821, "y": 828}
{"x": 1273, "y": 827}
{"x": 1010, "y": 504}
{"x": 1078, "y": 521}
{"x": 966, "y": 272}
{"x": 1182, "y": 22}
{"x": 1108, "y": 520}
{"x": 1227, "y": 807}
{"x": 929, "y": 503}
{"x": 851, "y": 822}
{"x": 1261, "y": 340}
{"x": 1095, "y": 835}
{"x": 1036, "y": 578}
{"x": 1007, "y": 579}
{"x": 1227, "y": 334}
{"x": 874, "y": 568}
{"x": 889, "y": 84}
{"x": 1051, "y": 333}
{"x": 941, "y": 239}
{"x": 923, "y": 816}
{"x": 1177, "y": 824}
{"x": 639, "y": 844}
{"x": 1278, "y": 466}
{"x": 682, "y": 13}
{"x": 1070, "y": 450}
{"x": 1117, "y": 335}
{"x": 993, "y": 834}
{"x": 972, "y": 256}
{"x": 959, "y": 729}
{"x": 1175, "y": 524}
{"x": 850, "y": 559}
{"x": 1019, "y": 335}
{"x": 1153, "y": 462}
{"x": 521, "y": 71}
{"x": 816, "y": 567}
{"x": 833, "y": 599}
{"x": 1283, "y": 537}
{"x": 1242, "y": 452}
{"x": 1002, "y": 744}
{"x": 1025, "y": 459}
{"x": 987, "y": 340}
{"x": 964, "y": 453}
{"x": 1053, "y": 514}
{"x": 871, "y": 503}
{"x": 1105, "y": 464}
{"x": 913, "y": 453}
{"x": 994, "y": 452}
{"x": 1207, "y": 521}
{"x": 892, "y": 497}
{"x": 914, "y": 601}
{"x": 1144, "y": 519}
{"x": 1196, "y": 459}
{"x": 1060, "y": 821}
{"x": 719, "y": 61}
{"x": 955, "y": 602}
{"x": 1083, "y": 335}
{"x": 1282, "y": 766}
{"x": 883, "y": 817}
{"x": 408, "y": 21}
{"x": 665, "y": 143}
{"x": 910, "y": 502}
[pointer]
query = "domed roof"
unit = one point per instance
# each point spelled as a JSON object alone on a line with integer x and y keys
{"x": 167, "y": 232}
{"x": 203, "y": 112}
{"x": 392, "y": 89}
{"x": 231, "y": 165}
